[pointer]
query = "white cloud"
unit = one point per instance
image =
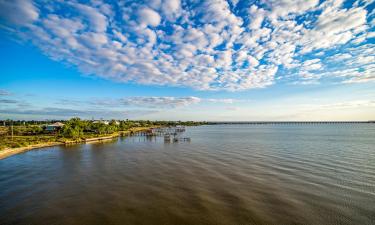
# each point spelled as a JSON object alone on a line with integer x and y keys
{"x": 281, "y": 8}
{"x": 149, "y": 17}
{"x": 221, "y": 100}
{"x": 313, "y": 64}
{"x": 342, "y": 105}
{"x": 207, "y": 45}
{"x": 19, "y": 12}
{"x": 97, "y": 20}
{"x": 4, "y": 92}
{"x": 8, "y": 101}
{"x": 160, "y": 102}
{"x": 171, "y": 8}
{"x": 256, "y": 16}
{"x": 55, "y": 113}
{"x": 233, "y": 108}
{"x": 334, "y": 26}
{"x": 146, "y": 102}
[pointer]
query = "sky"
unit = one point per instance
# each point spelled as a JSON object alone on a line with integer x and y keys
{"x": 216, "y": 60}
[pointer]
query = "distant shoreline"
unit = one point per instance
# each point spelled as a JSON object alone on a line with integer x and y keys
{"x": 290, "y": 122}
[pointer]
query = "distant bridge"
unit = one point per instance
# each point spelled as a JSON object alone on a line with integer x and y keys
{"x": 295, "y": 122}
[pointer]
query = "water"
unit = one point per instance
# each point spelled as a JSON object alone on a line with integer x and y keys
{"x": 227, "y": 174}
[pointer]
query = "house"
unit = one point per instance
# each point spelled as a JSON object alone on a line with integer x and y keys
{"x": 54, "y": 127}
{"x": 106, "y": 122}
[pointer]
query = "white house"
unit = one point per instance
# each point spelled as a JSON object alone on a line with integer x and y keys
{"x": 106, "y": 122}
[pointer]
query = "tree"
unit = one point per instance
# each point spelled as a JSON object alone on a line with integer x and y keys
{"x": 73, "y": 128}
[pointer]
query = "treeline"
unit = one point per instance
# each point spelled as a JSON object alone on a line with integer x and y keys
{"x": 26, "y": 122}
{"x": 141, "y": 122}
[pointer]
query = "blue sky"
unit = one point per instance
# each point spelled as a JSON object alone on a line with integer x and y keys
{"x": 188, "y": 60}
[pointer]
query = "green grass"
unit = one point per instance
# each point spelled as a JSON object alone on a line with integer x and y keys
{"x": 3, "y": 130}
{"x": 21, "y": 141}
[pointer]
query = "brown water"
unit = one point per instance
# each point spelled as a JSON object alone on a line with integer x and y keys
{"x": 227, "y": 174}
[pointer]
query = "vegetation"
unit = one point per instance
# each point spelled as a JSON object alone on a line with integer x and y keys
{"x": 34, "y": 132}
{"x": 22, "y": 141}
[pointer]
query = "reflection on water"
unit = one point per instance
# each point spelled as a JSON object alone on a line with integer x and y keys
{"x": 230, "y": 174}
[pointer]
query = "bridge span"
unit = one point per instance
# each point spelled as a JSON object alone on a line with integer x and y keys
{"x": 294, "y": 122}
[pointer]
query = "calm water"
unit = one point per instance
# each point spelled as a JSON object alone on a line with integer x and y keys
{"x": 227, "y": 174}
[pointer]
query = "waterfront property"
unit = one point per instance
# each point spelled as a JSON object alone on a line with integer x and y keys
{"x": 54, "y": 127}
{"x": 26, "y": 135}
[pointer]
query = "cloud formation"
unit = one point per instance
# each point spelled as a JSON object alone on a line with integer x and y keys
{"x": 54, "y": 112}
{"x": 8, "y": 101}
{"x": 205, "y": 45}
{"x": 145, "y": 102}
{"x": 127, "y": 107}
{"x": 341, "y": 105}
{"x": 4, "y": 93}
{"x": 160, "y": 102}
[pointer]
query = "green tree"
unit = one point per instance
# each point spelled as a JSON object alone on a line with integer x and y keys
{"x": 73, "y": 128}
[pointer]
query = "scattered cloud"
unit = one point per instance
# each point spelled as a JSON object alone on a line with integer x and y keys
{"x": 68, "y": 113}
{"x": 204, "y": 45}
{"x": 19, "y": 103}
{"x": 233, "y": 108}
{"x": 222, "y": 100}
{"x": 341, "y": 105}
{"x": 127, "y": 107}
{"x": 18, "y": 12}
{"x": 70, "y": 102}
{"x": 146, "y": 101}
{"x": 8, "y": 101}
{"x": 148, "y": 17}
{"x": 4, "y": 93}
{"x": 226, "y": 100}
{"x": 160, "y": 102}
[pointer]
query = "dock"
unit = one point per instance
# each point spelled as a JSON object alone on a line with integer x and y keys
{"x": 87, "y": 140}
{"x": 170, "y": 134}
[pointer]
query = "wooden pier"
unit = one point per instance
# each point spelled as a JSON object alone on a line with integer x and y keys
{"x": 106, "y": 138}
{"x": 170, "y": 134}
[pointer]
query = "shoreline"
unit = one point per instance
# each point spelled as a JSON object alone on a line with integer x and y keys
{"x": 13, "y": 151}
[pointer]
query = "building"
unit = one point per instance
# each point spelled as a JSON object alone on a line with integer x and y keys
{"x": 106, "y": 122}
{"x": 54, "y": 127}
